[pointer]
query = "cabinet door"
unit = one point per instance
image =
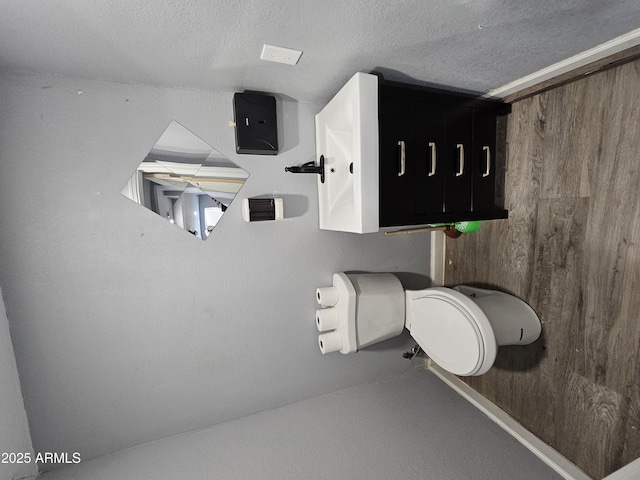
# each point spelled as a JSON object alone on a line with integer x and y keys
{"x": 459, "y": 121}
{"x": 430, "y": 163}
{"x": 483, "y": 158}
{"x": 397, "y": 148}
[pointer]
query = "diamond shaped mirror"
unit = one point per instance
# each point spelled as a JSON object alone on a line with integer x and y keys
{"x": 186, "y": 181}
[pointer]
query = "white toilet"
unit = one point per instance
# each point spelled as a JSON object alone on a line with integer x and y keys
{"x": 459, "y": 328}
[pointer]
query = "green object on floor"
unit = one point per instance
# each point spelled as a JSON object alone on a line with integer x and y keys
{"x": 468, "y": 227}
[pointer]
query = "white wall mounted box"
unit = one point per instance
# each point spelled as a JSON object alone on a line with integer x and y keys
{"x": 287, "y": 56}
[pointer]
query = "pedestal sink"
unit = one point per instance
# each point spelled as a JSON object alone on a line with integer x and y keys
{"x": 347, "y": 138}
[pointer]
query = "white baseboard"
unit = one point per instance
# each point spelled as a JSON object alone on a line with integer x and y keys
{"x": 437, "y": 258}
{"x": 543, "y": 451}
{"x": 604, "y": 50}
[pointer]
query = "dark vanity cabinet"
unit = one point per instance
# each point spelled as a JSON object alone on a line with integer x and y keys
{"x": 437, "y": 156}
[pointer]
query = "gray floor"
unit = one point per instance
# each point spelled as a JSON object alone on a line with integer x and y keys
{"x": 571, "y": 249}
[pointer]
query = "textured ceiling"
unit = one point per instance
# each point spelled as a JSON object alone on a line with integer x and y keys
{"x": 215, "y": 45}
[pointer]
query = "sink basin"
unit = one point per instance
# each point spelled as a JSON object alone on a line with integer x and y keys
{"x": 347, "y": 138}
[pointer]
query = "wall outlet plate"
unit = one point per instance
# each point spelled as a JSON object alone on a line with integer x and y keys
{"x": 280, "y": 54}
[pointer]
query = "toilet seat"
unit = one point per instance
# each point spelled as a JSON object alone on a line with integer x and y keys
{"x": 452, "y": 330}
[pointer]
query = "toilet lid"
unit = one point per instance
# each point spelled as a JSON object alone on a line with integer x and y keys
{"x": 448, "y": 334}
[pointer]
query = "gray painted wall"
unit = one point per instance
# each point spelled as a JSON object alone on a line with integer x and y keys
{"x": 127, "y": 329}
{"x": 405, "y": 427}
{"x": 14, "y": 428}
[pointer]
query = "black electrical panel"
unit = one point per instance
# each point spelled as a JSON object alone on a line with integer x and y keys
{"x": 256, "y": 123}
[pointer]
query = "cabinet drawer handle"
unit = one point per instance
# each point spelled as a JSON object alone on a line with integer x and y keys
{"x": 460, "y": 148}
{"x": 487, "y": 155}
{"x": 432, "y": 150}
{"x": 402, "y": 158}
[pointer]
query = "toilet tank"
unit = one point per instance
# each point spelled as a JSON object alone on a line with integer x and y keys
{"x": 379, "y": 307}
